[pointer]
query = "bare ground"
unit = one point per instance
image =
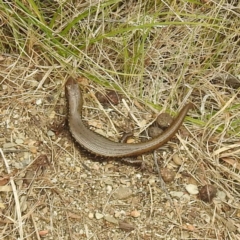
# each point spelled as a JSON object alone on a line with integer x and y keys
{"x": 63, "y": 193}
{"x": 50, "y": 188}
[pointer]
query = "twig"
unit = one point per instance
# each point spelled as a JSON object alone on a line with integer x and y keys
{"x": 15, "y": 150}
{"x": 15, "y": 194}
{"x": 35, "y": 226}
{"x": 151, "y": 197}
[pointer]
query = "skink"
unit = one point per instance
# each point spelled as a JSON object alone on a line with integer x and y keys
{"x": 102, "y": 146}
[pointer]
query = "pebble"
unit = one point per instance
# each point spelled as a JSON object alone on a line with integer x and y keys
{"x": 207, "y": 193}
{"x": 111, "y": 219}
{"x": 117, "y": 214}
{"x": 167, "y": 175}
{"x": 43, "y": 233}
{"x": 4, "y": 87}
{"x": 19, "y": 141}
{"x": 38, "y": 101}
{"x": 50, "y": 133}
{"x": 192, "y": 189}
{"x": 152, "y": 181}
{"x": 176, "y": 194}
{"x": 98, "y": 215}
{"x": 122, "y": 193}
{"x": 54, "y": 180}
{"x": 135, "y": 213}
{"x": 90, "y": 215}
{"x": 154, "y": 131}
{"x": 109, "y": 189}
{"x": 221, "y": 195}
{"x": 18, "y": 165}
{"x": 177, "y": 160}
{"x": 164, "y": 120}
{"x": 138, "y": 176}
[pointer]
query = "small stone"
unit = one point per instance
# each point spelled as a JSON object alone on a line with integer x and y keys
{"x": 38, "y": 101}
{"x": 138, "y": 176}
{"x": 50, "y": 133}
{"x": 151, "y": 181}
{"x": 19, "y": 141}
{"x": 91, "y": 215}
{"x": 54, "y": 180}
{"x": 221, "y": 195}
{"x": 101, "y": 97}
{"x": 111, "y": 219}
{"x": 98, "y": 215}
{"x": 192, "y": 189}
{"x": 164, "y": 120}
{"x": 113, "y": 97}
{"x": 154, "y": 131}
{"x": 43, "y": 233}
{"x": 167, "y": 175}
{"x": 186, "y": 197}
{"x": 117, "y": 214}
{"x": 109, "y": 97}
{"x": 130, "y": 140}
{"x": 18, "y": 165}
{"x": 176, "y": 194}
{"x": 122, "y": 193}
{"x": 4, "y": 87}
{"x": 177, "y": 160}
{"x": 135, "y": 213}
{"x": 109, "y": 189}
{"x": 207, "y": 193}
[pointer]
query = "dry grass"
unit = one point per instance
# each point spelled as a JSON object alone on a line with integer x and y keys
{"x": 159, "y": 56}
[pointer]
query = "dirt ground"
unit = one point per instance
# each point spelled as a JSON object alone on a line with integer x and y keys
{"x": 50, "y": 188}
